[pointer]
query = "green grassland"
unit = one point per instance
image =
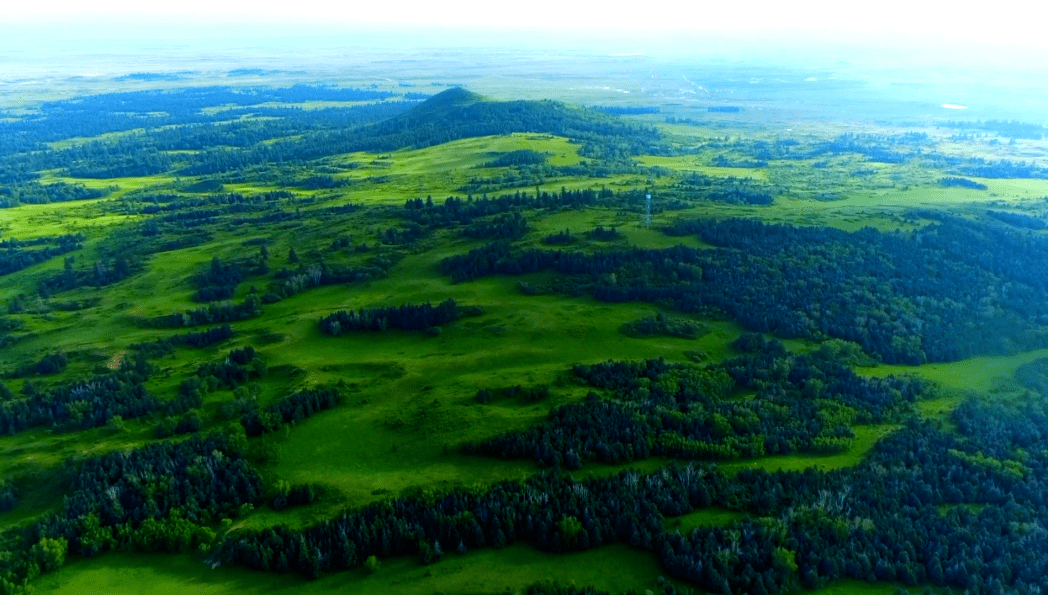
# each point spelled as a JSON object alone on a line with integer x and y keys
{"x": 411, "y": 397}
{"x": 614, "y": 568}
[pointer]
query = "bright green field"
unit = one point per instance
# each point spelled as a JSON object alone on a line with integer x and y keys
{"x": 615, "y": 568}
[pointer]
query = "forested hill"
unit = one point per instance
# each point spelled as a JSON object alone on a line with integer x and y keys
{"x": 191, "y": 141}
{"x": 451, "y": 115}
{"x": 458, "y": 113}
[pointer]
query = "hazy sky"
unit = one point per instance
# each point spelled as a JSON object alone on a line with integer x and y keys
{"x": 1007, "y": 21}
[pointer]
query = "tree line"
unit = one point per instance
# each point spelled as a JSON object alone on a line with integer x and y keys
{"x": 100, "y": 274}
{"x": 406, "y": 317}
{"x": 16, "y": 255}
{"x": 84, "y": 403}
{"x": 217, "y": 312}
{"x": 290, "y": 409}
{"x": 200, "y": 339}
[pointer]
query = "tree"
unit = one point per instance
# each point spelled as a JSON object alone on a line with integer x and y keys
{"x": 50, "y": 553}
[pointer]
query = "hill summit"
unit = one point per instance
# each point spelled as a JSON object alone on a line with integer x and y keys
{"x": 456, "y": 96}
{"x": 442, "y": 105}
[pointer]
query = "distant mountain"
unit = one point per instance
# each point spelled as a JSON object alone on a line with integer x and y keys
{"x": 457, "y": 113}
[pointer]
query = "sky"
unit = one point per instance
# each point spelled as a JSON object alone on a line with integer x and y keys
{"x": 1005, "y": 23}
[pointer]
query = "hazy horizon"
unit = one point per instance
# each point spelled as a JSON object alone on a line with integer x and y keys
{"x": 74, "y": 55}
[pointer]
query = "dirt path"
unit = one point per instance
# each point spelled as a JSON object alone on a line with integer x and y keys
{"x": 115, "y": 361}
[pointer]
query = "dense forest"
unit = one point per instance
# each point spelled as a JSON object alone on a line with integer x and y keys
{"x": 800, "y": 404}
{"x": 870, "y": 287}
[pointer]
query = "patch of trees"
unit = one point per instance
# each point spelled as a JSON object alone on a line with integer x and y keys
{"x": 504, "y": 226}
{"x": 189, "y": 423}
{"x": 725, "y": 161}
{"x": 240, "y": 366}
{"x": 34, "y": 193}
{"x": 1005, "y": 128}
{"x": 405, "y": 317}
{"x": 952, "y": 181}
{"x": 16, "y": 255}
{"x": 563, "y": 238}
{"x": 199, "y": 340}
{"x": 409, "y": 234}
{"x": 218, "y": 282}
{"x": 1017, "y": 220}
{"x": 800, "y": 404}
{"x": 1034, "y": 375}
{"x": 101, "y": 274}
{"x": 213, "y": 205}
{"x": 727, "y": 109}
{"x": 291, "y": 409}
{"x": 289, "y": 283}
{"x": 52, "y": 363}
{"x": 602, "y": 234}
{"x": 626, "y": 110}
{"x": 292, "y": 495}
{"x": 478, "y": 262}
{"x": 1003, "y": 168}
{"x": 152, "y": 238}
{"x": 160, "y": 497}
{"x": 84, "y": 403}
{"x": 730, "y": 190}
{"x": 8, "y": 328}
{"x": 883, "y": 148}
{"x": 661, "y": 325}
{"x": 457, "y": 211}
{"x": 519, "y": 157}
{"x": 121, "y": 158}
{"x": 321, "y": 182}
{"x": 877, "y": 147}
{"x": 205, "y": 338}
{"x": 211, "y": 314}
{"x": 237, "y": 369}
{"x": 8, "y": 495}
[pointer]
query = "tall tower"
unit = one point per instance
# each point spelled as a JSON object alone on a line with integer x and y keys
{"x": 647, "y": 210}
